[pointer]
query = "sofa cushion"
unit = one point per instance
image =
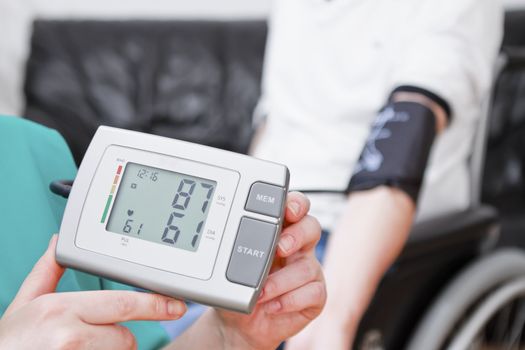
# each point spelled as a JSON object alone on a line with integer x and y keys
{"x": 192, "y": 80}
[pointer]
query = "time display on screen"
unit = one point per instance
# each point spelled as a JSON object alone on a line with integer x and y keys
{"x": 161, "y": 206}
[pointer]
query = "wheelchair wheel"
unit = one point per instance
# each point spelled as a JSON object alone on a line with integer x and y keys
{"x": 482, "y": 308}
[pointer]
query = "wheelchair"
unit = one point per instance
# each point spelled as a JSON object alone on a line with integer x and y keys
{"x": 454, "y": 286}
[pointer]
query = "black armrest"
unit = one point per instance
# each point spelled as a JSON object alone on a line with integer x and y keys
{"x": 515, "y": 57}
{"x": 475, "y": 225}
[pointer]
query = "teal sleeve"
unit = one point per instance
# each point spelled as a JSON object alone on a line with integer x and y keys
{"x": 31, "y": 157}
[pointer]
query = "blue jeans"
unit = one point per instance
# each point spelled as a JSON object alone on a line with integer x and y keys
{"x": 320, "y": 249}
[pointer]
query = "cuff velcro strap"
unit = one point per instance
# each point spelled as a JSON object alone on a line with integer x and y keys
{"x": 397, "y": 149}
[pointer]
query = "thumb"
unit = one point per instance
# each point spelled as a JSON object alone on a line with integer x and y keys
{"x": 43, "y": 279}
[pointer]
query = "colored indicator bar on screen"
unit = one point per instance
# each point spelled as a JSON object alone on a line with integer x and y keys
{"x": 106, "y": 208}
{"x": 111, "y": 193}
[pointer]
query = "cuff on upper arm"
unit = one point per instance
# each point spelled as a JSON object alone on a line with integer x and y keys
{"x": 397, "y": 149}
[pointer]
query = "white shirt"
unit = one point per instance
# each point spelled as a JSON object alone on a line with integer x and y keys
{"x": 330, "y": 66}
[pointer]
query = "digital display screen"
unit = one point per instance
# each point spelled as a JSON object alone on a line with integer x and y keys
{"x": 161, "y": 206}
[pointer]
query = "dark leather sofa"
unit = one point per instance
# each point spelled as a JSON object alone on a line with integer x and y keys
{"x": 200, "y": 81}
{"x": 196, "y": 81}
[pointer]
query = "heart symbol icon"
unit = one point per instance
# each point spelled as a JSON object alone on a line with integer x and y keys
{"x": 130, "y": 212}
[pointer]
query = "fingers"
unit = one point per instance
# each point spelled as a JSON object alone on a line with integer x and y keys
{"x": 112, "y": 306}
{"x": 309, "y": 300}
{"x": 291, "y": 277}
{"x": 41, "y": 280}
{"x": 115, "y": 337}
{"x": 302, "y": 235}
{"x": 297, "y": 205}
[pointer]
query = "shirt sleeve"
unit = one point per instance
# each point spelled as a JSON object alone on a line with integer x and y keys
{"x": 453, "y": 50}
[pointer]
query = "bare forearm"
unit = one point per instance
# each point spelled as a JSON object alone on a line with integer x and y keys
{"x": 211, "y": 332}
{"x": 369, "y": 236}
{"x": 205, "y": 333}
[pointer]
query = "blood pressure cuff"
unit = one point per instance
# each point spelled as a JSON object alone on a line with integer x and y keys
{"x": 397, "y": 149}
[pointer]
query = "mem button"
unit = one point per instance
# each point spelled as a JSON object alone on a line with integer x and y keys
{"x": 265, "y": 199}
{"x": 251, "y": 251}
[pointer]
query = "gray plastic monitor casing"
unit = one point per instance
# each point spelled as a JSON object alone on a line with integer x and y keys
{"x": 216, "y": 290}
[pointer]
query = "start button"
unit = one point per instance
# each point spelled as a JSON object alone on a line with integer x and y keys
{"x": 265, "y": 199}
{"x": 251, "y": 251}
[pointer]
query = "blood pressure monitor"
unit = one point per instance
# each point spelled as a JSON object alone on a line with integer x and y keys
{"x": 174, "y": 217}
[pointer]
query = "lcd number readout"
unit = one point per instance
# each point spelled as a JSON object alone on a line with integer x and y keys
{"x": 180, "y": 203}
{"x": 162, "y": 206}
